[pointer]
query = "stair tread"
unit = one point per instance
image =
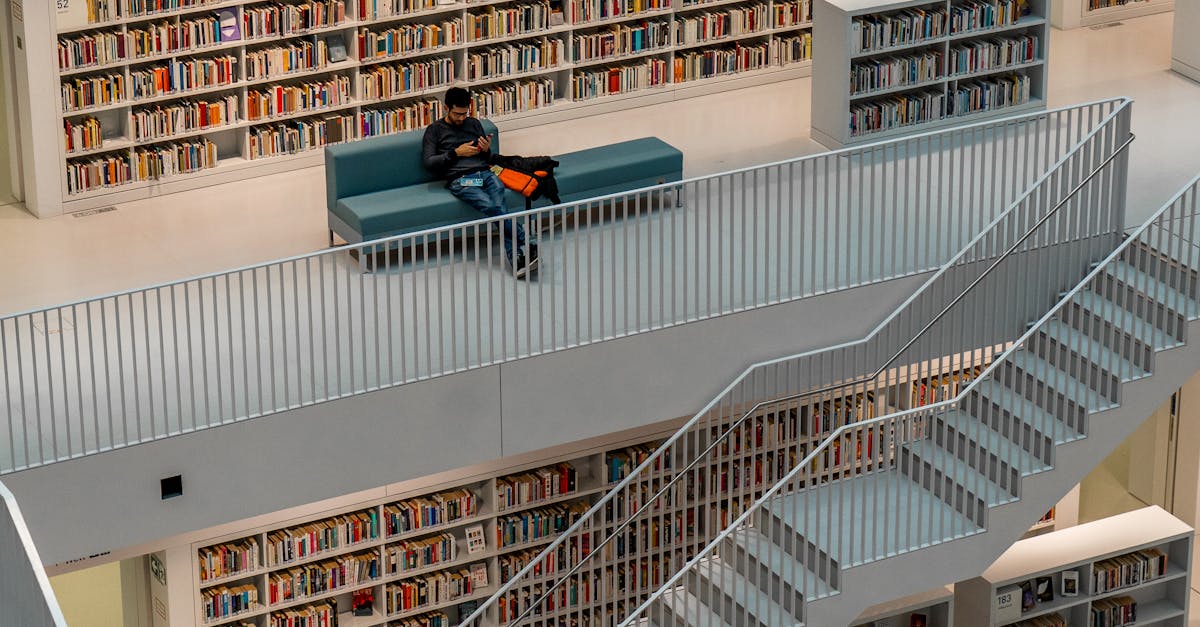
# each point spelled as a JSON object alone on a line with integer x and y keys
{"x": 746, "y": 594}
{"x": 819, "y": 515}
{"x": 1125, "y": 320}
{"x": 1060, "y": 381}
{"x": 960, "y": 472}
{"x": 790, "y": 570}
{"x": 1027, "y": 411}
{"x": 1153, "y": 287}
{"x": 1011, "y": 451}
{"x": 1092, "y": 349}
{"x": 685, "y": 605}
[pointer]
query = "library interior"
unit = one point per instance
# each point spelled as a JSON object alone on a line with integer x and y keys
{"x": 914, "y": 356}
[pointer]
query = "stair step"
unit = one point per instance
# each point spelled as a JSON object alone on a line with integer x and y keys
{"x": 1153, "y": 287}
{"x": 1125, "y": 320}
{"x": 1007, "y": 448}
{"x": 713, "y": 576}
{"x": 1059, "y": 381}
{"x": 941, "y": 461}
{"x": 1091, "y": 349}
{"x": 1029, "y": 412}
{"x": 688, "y": 611}
{"x": 905, "y": 517}
{"x": 790, "y": 570}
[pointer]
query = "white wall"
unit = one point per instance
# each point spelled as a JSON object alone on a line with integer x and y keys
{"x": 110, "y": 505}
{"x": 9, "y": 170}
{"x": 1185, "y": 45}
{"x": 36, "y": 90}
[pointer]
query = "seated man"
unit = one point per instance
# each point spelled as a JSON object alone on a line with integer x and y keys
{"x": 455, "y": 148}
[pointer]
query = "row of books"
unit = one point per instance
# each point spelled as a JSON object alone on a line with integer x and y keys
{"x": 271, "y": 20}
{"x": 513, "y": 97}
{"x": 1128, "y": 570}
{"x": 318, "y": 615}
{"x": 98, "y": 172}
{"x": 1114, "y": 612}
{"x": 390, "y": 81}
{"x": 694, "y": 65}
{"x": 938, "y": 388}
{"x": 512, "y": 563}
{"x": 376, "y": 9}
{"x": 297, "y": 136}
{"x": 161, "y": 160}
{"x": 1095, "y": 5}
{"x": 415, "y": 554}
{"x": 495, "y": 22}
{"x": 581, "y": 11}
{"x": 621, "y": 39}
{"x": 184, "y": 116}
{"x": 433, "y": 589}
{"x": 896, "y": 112}
{"x": 277, "y": 100}
{"x": 230, "y": 558}
{"x": 429, "y": 511}
{"x": 322, "y": 577}
{"x": 82, "y": 134}
{"x": 428, "y": 619}
{"x": 639, "y": 493}
{"x": 296, "y": 543}
{"x": 300, "y": 56}
{"x": 977, "y": 15}
{"x": 791, "y": 49}
{"x": 990, "y": 54}
{"x": 989, "y": 94}
{"x": 791, "y": 13}
{"x": 513, "y": 58}
{"x": 537, "y": 485}
{"x": 879, "y": 32}
{"x": 648, "y": 534}
{"x": 168, "y": 37}
{"x": 224, "y": 601}
{"x": 620, "y": 463}
{"x": 92, "y": 91}
{"x": 87, "y": 49}
{"x": 180, "y": 75}
{"x": 536, "y": 524}
{"x": 587, "y": 84}
{"x": 137, "y": 8}
{"x": 1049, "y": 620}
{"x": 575, "y": 592}
{"x": 879, "y": 73}
{"x": 408, "y": 38}
{"x": 701, "y": 27}
{"x": 419, "y": 114}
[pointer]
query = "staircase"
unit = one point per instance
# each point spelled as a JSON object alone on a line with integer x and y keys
{"x": 1089, "y": 371}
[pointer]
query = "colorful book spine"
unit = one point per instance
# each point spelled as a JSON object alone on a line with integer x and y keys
{"x": 381, "y": 82}
{"x": 409, "y": 38}
{"x": 184, "y": 116}
{"x": 374, "y": 122}
{"x": 88, "y": 49}
{"x": 229, "y": 559}
{"x": 93, "y": 91}
{"x": 301, "y": 135}
{"x": 99, "y": 172}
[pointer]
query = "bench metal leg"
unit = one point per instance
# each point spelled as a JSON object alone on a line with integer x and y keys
{"x": 678, "y": 196}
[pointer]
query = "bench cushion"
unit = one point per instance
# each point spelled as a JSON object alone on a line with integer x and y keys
{"x": 381, "y": 211}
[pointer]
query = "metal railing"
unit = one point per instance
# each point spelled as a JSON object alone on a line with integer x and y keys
{"x": 26, "y": 598}
{"x": 702, "y": 478}
{"x": 1165, "y": 250}
{"x": 136, "y": 366}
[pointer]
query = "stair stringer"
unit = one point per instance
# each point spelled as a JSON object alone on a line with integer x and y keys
{"x": 921, "y": 570}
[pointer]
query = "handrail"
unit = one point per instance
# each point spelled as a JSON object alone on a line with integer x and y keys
{"x": 432, "y": 233}
{"x": 649, "y": 461}
{"x": 825, "y": 444}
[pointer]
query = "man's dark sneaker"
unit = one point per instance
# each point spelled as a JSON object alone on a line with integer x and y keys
{"x": 531, "y": 249}
{"x": 523, "y": 267}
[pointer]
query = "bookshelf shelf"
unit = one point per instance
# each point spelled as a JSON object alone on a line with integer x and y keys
{"x": 617, "y": 19}
{"x": 478, "y": 594}
{"x": 323, "y": 596}
{"x": 434, "y": 529}
{"x": 841, "y": 28}
{"x": 1028, "y": 580}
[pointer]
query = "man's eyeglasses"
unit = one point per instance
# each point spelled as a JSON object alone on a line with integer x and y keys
{"x": 458, "y": 113}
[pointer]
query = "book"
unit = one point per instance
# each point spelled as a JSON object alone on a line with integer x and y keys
{"x": 918, "y": 620}
{"x": 1044, "y": 587}
{"x": 230, "y": 28}
{"x": 1070, "y": 583}
{"x": 479, "y": 575}
{"x": 1028, "y": 599}
{"x": 475, "y": 539}
{"x": 335, "y": 44}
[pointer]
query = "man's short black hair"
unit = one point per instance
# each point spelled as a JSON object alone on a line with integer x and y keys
{"x": 457, "y": 97}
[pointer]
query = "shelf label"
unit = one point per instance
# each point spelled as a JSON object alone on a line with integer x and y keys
{"x": 70, "y": 13}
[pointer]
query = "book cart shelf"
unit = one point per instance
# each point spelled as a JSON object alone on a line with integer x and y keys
{"x": 413, "y": 551}
{"x": 166, "y": 91}
{"x": 1077, "y": 13}
{"x": 884, "y": 68}
{"x": 1133, "y": 568}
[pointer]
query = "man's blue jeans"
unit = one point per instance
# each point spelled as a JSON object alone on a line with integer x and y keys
{"x": 488, "y": 199}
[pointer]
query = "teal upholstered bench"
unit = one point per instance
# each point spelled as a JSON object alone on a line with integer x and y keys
{"x": 378, "y": 187}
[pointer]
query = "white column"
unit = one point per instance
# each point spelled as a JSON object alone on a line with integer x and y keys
{"x": 38, "y": 95}
{"x": 1185, "y": 47}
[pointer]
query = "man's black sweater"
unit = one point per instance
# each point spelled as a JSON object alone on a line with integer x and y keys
{"x": 437, "y": 149}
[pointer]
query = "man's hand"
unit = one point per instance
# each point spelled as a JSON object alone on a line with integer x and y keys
{"x": 484, "y": 143}
{"x": 468, "y": 149}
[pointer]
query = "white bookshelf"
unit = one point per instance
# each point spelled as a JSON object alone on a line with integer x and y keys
{"x": 1161, "y": 599}
{"x": 1067, "y": 14}
{"x": 936, "y": 607}
{"x": 568, "y": 58}
{"x": 899, "y": 85}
